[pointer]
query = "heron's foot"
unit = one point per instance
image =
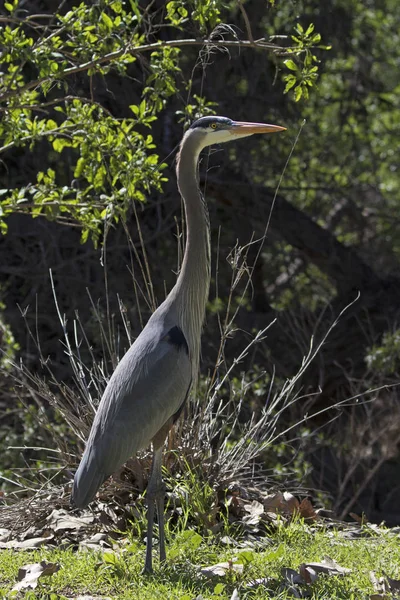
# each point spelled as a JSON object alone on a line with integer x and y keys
{"x": 148, "y": 565}
{"x": 147, "y": 569}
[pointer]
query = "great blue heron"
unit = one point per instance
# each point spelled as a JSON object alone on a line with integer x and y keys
{"x": 150, "y": 385}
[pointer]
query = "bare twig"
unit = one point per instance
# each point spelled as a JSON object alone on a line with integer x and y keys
{"x": 246, "y": 21}
{"x": 112, "y": 56}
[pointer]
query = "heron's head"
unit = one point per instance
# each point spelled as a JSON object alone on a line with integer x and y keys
{"x": 217, "y": 130}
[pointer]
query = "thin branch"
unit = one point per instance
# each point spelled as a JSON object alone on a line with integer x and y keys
{"x": 246, "y": 21}
{"x": 112, "y": 56}
{"x": 37, "y": 135}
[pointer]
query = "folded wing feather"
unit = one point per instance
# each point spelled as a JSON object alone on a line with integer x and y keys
{"x": 147, "y": 388}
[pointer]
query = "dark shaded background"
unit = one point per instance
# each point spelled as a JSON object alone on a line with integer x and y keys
{"x": 333, "y": 236}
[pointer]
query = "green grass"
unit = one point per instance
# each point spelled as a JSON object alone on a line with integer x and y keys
{"x": 119, "y": 576}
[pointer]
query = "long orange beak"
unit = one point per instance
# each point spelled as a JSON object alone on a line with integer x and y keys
{"x": 244, "y": 128}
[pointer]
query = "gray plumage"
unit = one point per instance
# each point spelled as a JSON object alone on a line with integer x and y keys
{"x": 146, "y": 389}
{"x": 152, "y": 381}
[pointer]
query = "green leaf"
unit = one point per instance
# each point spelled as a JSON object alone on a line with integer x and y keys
{"x": 290, "y": 64}
{"x": 308, "y": 60}
{"x": 80, "y": 165}
{"x": 135, "y": 109}
{"x": 85, "y": 235}
{"x": 278, "y": 553}
{"x": 109, "y": 558}
{"x": 135, "y": 9}
{"x": 290, "y": 82}
{"x": 310, "y": 29}
{"x": 191, "y": 539}
{"x": 298, "y": 92}
{"x": 245, "y": 557}
{"x": 108, "y": 22}
{"x": 60, "y": 143}
{"x": 142, "y": 108}
{"x": 116, "y": 6}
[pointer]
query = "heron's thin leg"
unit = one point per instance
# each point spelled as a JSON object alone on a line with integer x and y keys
{"x": 148, "y": 565}
{"x": 155, "y": 490}
{"x": 160, "y": 512}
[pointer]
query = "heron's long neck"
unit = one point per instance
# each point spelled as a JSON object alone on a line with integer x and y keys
{"x": 192, "y": 286}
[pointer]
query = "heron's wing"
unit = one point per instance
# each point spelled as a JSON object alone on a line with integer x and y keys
{"x": 148, "y": 387}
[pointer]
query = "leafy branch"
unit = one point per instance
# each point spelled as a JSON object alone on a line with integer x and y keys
{"x": 128, "y": 50}
{"x": 303, "y": 75}
{"x": 108, "y": 163}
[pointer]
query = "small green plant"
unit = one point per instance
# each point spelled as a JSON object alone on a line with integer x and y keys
{"x": 114, "y": 565}
{"x": 197, "y": 499}
{"x": 185, "y": 543}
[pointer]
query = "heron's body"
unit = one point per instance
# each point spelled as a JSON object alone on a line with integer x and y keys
{"x": 148, "y": 389}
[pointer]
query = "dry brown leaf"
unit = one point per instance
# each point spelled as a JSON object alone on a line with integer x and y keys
{"x": 307, "y": 510}
{"x": 4, "y": 534}
{"x": 292, "y": 579}
{"x": 29, "y": 574}
{"x": 254, "y": 508}
{"x": 308, "y": 573}
{"x": 235, "y": 505}
{"x": 228, "y": 541}
{"x": 328, "y": 566}
{"x": 278, "y": 503}
{"x": 380, "y": 584}
{"x": 255, "y": 511}
{"x": 291, "y": 576}
{"x": 61, "y": 520}
{"x": 262, "y": 581}
{"x": 292, "y": 504}
{"x": 98, "y": 541}
{"x": 384, "y": 585}
{"x": 222, "y": 568}
{"x": 273, "y": 517}
{"x": 108, "y": 516}
{"x": 31, "y": 543}
{"x": 274, "y": 502}
{"x": 394, "y": 584}
{"x": 361, "y": 520}
{"x": 326, "y": 513}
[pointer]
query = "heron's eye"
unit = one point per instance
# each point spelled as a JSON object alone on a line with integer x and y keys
{"x": 213, "y": 126}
